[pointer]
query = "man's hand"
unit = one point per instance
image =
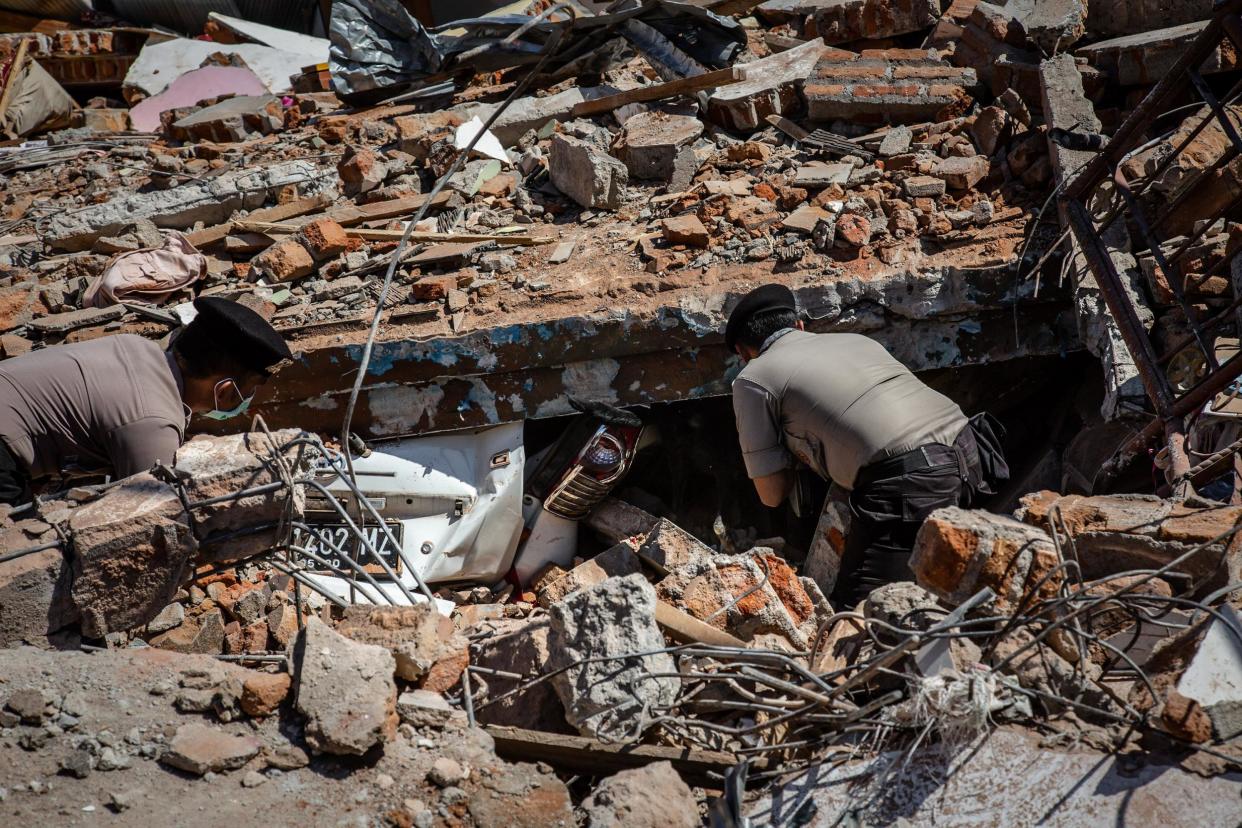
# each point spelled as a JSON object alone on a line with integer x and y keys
{"x": 773, "y": 488}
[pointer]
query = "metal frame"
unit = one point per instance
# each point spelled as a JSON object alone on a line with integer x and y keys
{"x": 1172, "y": 406}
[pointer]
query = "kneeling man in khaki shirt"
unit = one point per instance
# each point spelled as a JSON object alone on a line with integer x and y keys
{"x": 841, "y": 405}
{"x": 118, "y": 404}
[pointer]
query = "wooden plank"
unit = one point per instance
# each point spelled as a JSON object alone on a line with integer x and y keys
{"x": 582, "y": 755}
{"x": 15, "y": 69}
{"x": 247, "y": 226}
{"x": 660, "y": 91}
{"x": 213, "y": 234}
{"x": 788, "y": 127}
{"x": 351, "y": 214}
{"x": 684, "y": 628}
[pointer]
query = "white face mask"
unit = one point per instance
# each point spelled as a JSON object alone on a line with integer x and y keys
{"x": 218, "y": 413}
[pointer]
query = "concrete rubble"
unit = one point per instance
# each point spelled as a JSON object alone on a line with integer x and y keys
{"x": 165, "y": 648}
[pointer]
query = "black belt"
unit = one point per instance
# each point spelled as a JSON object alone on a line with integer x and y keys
{"x": 923, "y": 457}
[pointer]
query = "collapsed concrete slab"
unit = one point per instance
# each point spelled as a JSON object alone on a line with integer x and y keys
{"x": 893, "y": 86}
{"x": 345, "y": 690}
{"x": 1135, "y": 16}
{"x": 209, "y": 201}
{"x": 606, "y": 641}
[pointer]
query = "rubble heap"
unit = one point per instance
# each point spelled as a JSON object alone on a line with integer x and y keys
{"x": 564, "y": 209}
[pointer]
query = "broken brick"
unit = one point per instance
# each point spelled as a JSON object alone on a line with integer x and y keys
{"x": 685, "y": 229}
{"x": 324, "y": 239}
{"x": 286, "y": 260}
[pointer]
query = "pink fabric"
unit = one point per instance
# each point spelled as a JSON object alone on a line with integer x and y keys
{"x": 149, "y": 275}
{"x": 192, "y": 87}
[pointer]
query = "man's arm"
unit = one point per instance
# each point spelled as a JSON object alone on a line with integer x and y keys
{"x": 136, "y": 446}
{"x": 768, "y": 463}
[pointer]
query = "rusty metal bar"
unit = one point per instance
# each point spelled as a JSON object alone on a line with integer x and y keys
{"x": 1155, "y": 383}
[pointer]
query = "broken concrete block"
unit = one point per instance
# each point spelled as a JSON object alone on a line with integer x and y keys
{"x": 263, "y": 693}
{"x": 894, "y": 86}
{"x": 423, "y": 708}
{"x": 518, "y": 646}
{"x": 746, "y": 595}
{"x": 773, "y": 86}
{"x": 896, "y": 141}
{"x": 35, "y": 600}
{"x": 804, "y": 219}
{"x": 961, "y": 172}
{"x": 231, "y": 120}
{"x": 426, "y": 645}
{"x": 1141, "y": 59}
{"x": 199, "y": 749}
{"x": 1114, "y": 533}
{"x": 652, "y": 796}
{"x": 203, "y": 635}
{"x": 59, "y": 323}
{"x": 816, "y": 176}
{"x": 613, "y": 621}
{"x": 959, "y": 551}
{"x": 586, "y": 174}
{"x": 212, "y": 467}
{"x": 324, "y": 238}
{"x": 285, "y": 261}
{"x": 990, "y": 128}
{"x": 617, "y": 561}
{"x": 361, "y": 170}
{"x": 345, "y": 690}
{"x": 1047, "y": 26}
{"x": 923, "y": 186}
{"x": 133, "y": 550}
{"x": 843, "y": 21}
{"x": 211, "y": 201}
{"x": 685, "y": 229}
{"x": 652, "y": 146}
{"x": 668, "y": 547}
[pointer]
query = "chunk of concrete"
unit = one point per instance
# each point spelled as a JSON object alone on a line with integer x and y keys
{"x": 654, "y": 145}
{"x": 667, "y": 547}
{"x": 61, "y": 323}
{"x": 586, "y": 174}
{"x": 611, "y": 698}
{"x": 958, "y": 552}
{"x": 961, "y": 172}
{"x": 210, "y": 201}
{"x": 1125, "y": 17}
{"x": 687, "y": 229}
{"x": 426, "y": 645}
{"x": 1142, "y": 59}
{"x": 231, "y": 120}
{"x": 534, "y": 113}
{"x": 345, "y": 690}
{"x": 519, "y": 647}
{"x": 616, "y": 561}
{"x": 133, "y": 549}
{"x": 199, "y": 749}
{"x": 746, "y": 595}
{"x": 652, "y": 796}
{"x": 773, "y": 86}
{"x": 423, "y": 708}
{"x": 35, "y": 600}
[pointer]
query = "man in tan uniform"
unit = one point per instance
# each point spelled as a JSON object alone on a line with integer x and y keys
{"x": 119, "y": 404}
{"x": 842, "y": 406}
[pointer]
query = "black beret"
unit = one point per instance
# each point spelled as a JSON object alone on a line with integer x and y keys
{"x": 235, "y": 329}
{"x": 765, "y": 298}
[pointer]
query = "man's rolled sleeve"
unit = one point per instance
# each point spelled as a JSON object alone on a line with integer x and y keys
{"x": 759, "y": 430}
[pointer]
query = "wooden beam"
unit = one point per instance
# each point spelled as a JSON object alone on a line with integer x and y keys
{"x": 684, "y": 628}
{"x": 661, "y": 91}
{"x": 583, "y": 755}
{"x": 247, "y": 226}
{"x": 215, "y": 233}
{"x": 15, "y": 69}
